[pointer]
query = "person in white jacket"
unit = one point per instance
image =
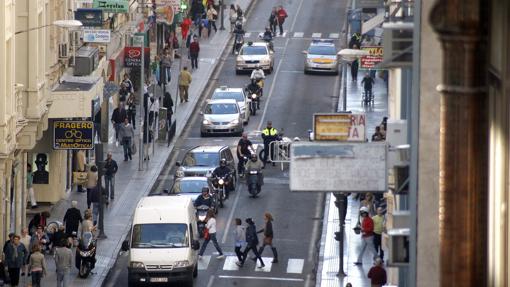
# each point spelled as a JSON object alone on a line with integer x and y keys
{"x": 240, "y": 238}
{"x": 211, "y": 227}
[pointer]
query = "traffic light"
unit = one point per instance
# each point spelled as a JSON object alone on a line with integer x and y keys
{"x": 338, "y": 236}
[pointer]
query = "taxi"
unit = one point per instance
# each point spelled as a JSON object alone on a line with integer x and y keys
{"x": 253, "y": 54}
{"x": 321, "y": 56}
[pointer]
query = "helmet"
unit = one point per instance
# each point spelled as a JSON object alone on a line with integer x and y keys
{"x": 363, "y": 209}
{"x": 205, "y": 189}
{"x": 239, "y": 25}
{"x": 223, "y": 162}
{"x": 257, "y": 67}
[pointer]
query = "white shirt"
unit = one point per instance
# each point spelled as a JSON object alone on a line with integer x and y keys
{"x": 154, "y": 107}
{"x": 258, "y": 74}
{"x": 211, "y": 225}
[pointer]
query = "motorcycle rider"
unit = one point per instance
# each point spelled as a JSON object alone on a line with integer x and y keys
{"x": 223, "y": 171}
{"x": 268, "y": 37}
{"x": 238, "y": 34}
{"x": 254, "y": 88}
{"x": 243, "y": 150}
{"x": 269, "y": 134}
{"x": 204, "y": 199}
{"x": 254, "y": 164}
{"x": 259, "y": 76}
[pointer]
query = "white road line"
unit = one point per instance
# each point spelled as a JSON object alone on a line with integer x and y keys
{"x": 293, "y": 71}
{"x": 211, "y": 281}
{"x": 295, "y": 266}
{"x": 298, "y": 34}
{"x": 247, "y": 35}
{"x": 316, "y": 35}
{"x": 230, "y": 264}
{"x": 296, "y": 16}
{"x": 268, "y": 264}
{"x": 204, "y": 262}
{"x": 262, "y": 278}
{"x": 334, "y": 35}
{"x": 231, "y": 215}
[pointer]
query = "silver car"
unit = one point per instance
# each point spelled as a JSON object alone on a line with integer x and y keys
{"x": 321, "y": 56}
{"x": 221, "y": 117}
{"x": 237, "y": 94}
{"x": 255, "y": 54}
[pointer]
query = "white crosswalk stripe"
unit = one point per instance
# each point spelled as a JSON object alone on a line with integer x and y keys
{"x": 295, "y": 266}
{"x": 204, "y": 262}
{"x": 230, "y": 263}
{"x": 334, "y": 35}
{"x": 283, "y": 35}
{"x": 298, "y": 34}
{"x": 267, "y": 262}
{"x": 247, "y": 34}
{"x": 316, "y": 35}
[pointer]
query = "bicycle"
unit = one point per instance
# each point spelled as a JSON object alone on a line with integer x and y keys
{"x": 367, "y": 99}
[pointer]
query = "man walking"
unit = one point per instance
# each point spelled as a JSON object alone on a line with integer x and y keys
{"x": 367, "y": 235}
{"x": 379, "y": 222}
{"x": 367, "y": 83}
{"x": 252, "y": 241}
{"x": 126, "y": 134}
{"x": 194, "y": 49}
{"x": 63, "y": 260}
{"x": 281, "y": 14}
{"x": 15, "y": 256}
{"x": 269, "y": 134}
{"x": 118, "y": 116}
{"x": 72, "y": 219}
{"x": 109, "y": 176}
{"x": 184, "y": 82}
{"x": 377, "y": 274}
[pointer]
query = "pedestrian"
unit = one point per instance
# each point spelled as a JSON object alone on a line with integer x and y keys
{"x": 118, "y": 116}
{"x": 25, "y": 240}
{"x": 281, "y": 15}
{"x": 367, "y": 83}
{"x": 166, "y": 67}
{"x": 63, "y": 261}
{"x": 252, "y": 241}
{"x": 37, "y": 266}
{"x": 109, "y": 175}
{"x": 123, "y": 93}
{"x": 127, "y": 82}
{"x": 15, "y": 256}
{"x": 377, "y": 136}
{"x": 269, "y": 134}
{"x": 168, "y": 103}
{"x": 126, "y": 133}
{"x": 194, "y": 49}
{"x": 153, "y": 112}
{"x": 232, "y": 16}
{"x": 268, "y": 236}
{"x": 196, "y": 11}
{"x": 155, "y": 69}
{"x": 348, "y": 285}
{"x": 367, "y": 235}
{"x": 58, "y": 236}
{"x": 184, "y": 82}
{"x": 95, "y": 199}
{"x": 212, "y": 15}
{"x": 87, "y": 225}
{"x": 273, "y": 21}
{"x": 355, "y": 41}
{"x": 211, "y": 227}
{"x": 240, "y": 238}
{"x": 369, "y": 203}
{"x": 354, "y": 70}
{"x": 40, "y": 238}
{"x": 72, "y": 219}
{"x": 92, "y": 178}
{"x": 39, "y": 219}
{"x": 379, "y": 225}
{"x": 384, "y": 127}
{"x": 377, "y": 274}
{"x": 131, "y": 110}
{"x": 30, "y": 187}
{"x": 185, "y": 25}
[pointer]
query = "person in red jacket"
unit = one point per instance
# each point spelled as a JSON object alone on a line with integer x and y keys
{"x": 186, "y": 23}
{"x": 281, "y": 14}
{"x": 367, "y": 235}
{"x": 194, "y": 49}
{"x": 377, "y": 274}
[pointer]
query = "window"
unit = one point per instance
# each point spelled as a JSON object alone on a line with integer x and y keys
{"x": 254, "y": 50}
{"x": 322, "y": 50}
{"x": 221, "y": 109}
{"x": 189, "y": 186}
{"x": 201, "y": 159}
{"x": 238, "y": 96}
{"x": 160, "y": 235}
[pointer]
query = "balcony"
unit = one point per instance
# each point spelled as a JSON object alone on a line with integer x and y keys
{"x": 398, "y": 33}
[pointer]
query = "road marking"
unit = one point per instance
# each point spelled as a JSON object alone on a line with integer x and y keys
{"x": 247, "y": 34}
{"x": 204, "y": 262}
{"x": 282, "y": 35}
{"x": 211, "y": 281}
{"x": 296, "y": 15}
{"x": 267, "y": 262}
{"x": 295, "y": 266}
{"x": 334, "y": 35}
{"x": 262, "y": 278}
{"x": 231, "y": 215}
{"x": 316, "y": 35}
{"x": 230, "y": 264}
{"x": 298, "y": 34}
{"x": 293, "y": 71}
{"x": 319, "y": 210}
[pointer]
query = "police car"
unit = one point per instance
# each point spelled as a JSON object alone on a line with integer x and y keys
{"x": 321, "y": 56}
{"x": 255, "y": 54}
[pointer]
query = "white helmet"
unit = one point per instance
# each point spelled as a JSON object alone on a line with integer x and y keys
{"x": 363, "y": 209}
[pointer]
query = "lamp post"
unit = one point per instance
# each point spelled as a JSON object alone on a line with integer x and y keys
{"x": 222, "y": 12}
{"x": 348, "y": 55}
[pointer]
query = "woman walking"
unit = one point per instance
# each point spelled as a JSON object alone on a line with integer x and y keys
{"x": 252, "y": 241}
{"x": 240, "y": 236}
{"x": 212, "y": 14}
{"x": 268, "y": 236}
{"x": 211, "y": 226}
{"x": 37, "y": 265}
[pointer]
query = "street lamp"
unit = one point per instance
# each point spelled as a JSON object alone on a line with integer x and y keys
{"x": 222, "y": 7}
{"x": 348, "y": 55}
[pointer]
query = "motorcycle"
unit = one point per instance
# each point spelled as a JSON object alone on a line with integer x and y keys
{"x": 201, "y": 215}
{"x": 86, "y": 255}
{"x": 238, "y": 43}
{"x": 254, "y": 181}
{"x": 221, "y": 183}
{"x": 268, "y": 40}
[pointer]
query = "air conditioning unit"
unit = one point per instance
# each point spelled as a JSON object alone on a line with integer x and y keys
{"x": 87, "y": 60}
{"x": 63, "y": 52}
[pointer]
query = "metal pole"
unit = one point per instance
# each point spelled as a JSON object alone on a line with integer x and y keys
{"x": 341, "y": 204}
{"x": 99, "y": 187}
{"x": 222, "y": 8}
{"x": 344, "y": 81}
{"x": 142, "y": 82}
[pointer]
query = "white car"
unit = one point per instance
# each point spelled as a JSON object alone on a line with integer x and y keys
{"x": 221, "y": 117}
{"x": 255, "y": 54}
{"x": 321, "y": 57}
{"x": 225, "y": 93}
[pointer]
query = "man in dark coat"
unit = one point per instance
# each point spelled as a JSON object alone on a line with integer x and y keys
{"x": 252, "y": 241}
{"x": 72, "y": 219}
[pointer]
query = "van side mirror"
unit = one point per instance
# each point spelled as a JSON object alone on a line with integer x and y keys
{"x": 178, "y": 163}
{"x": 195, "y": 245}
{"x": 125, "y": 245}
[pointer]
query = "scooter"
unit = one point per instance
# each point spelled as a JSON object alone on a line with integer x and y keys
{"x": 254, "y": 181}
{"x": 238, "y": 43}
{"x": 86, "y": 255}
{"x": 201, "y": 215}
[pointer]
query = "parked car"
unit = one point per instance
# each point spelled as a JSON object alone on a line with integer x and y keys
{"x": 221, "y": 117}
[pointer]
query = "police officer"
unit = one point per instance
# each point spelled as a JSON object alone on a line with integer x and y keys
{"x": 224, "y": 171}
{"x": 269, "y": 134}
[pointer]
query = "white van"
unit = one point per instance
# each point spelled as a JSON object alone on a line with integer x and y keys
{"x": 164, "y": 241}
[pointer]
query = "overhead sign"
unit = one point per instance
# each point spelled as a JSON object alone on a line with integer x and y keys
{"x": 73, "y": 135}
{"x": 375, "y": 57}
{"x": 133, "y": 57}
{"x": 96, "y": 36}
{"x": 112, "y": 6}
{"x": 89, "y": 17}
{"x": 338, "y": 167}
{"x": 339, "y": 127}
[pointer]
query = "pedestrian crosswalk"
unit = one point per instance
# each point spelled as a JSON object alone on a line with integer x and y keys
{"x": 292, "y": 266}
{"x": 296, "y": 35}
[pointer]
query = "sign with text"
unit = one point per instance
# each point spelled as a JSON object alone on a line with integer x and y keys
{"x": 338, "y": 167}
{"x": 73, "y": 135}
{"x": 133, "y": 57}
{"x": 84, "y": 1}
{"x": 112, "y": 6}
{"x": 339, "y": 127}
{"x": 89, "y": 17}
{"x": 375, "y": 57}
{"x": 96, "y": 36}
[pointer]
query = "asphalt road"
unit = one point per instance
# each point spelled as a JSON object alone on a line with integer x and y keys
{"x": 290, "y": 100}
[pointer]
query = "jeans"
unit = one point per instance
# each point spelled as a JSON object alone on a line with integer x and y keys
{"x": 377, "y": 245}
{"x": 126, "y": 144}
{"x": 194, "y": 61}
{"x": 239, "y": 254}
{"x": 367, "y": 242}
{"x": 212, "y": 237}
{"x": 62, "y": 277}
{"x": 254, "y": 249}
{"x": 95, "y": 212}
{"x": 132, "y": 117}
{"x": 116, "y": 126}
{"x": 212, "y": 24}
{"x": 14, "y": 276}
{"x": 280, "y": 25}
{"x": 36, "y": 278}
{"x": 110, "y": 185}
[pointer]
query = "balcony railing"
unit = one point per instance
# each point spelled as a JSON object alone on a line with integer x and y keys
{"x": 399, "y": 10}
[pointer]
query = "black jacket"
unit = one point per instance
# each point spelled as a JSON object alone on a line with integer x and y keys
{"x": 251, "y": 235}
{"x": 203, "y": 201}
{"x": 110, "y": 167}
{"x": 268, "y": 229}
{"x": 221, "y": 171}
{"x": 119, "y": 115}
{"x": 72, "y": 219}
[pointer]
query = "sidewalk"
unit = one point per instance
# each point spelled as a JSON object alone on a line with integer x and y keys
{"x": 329, "y": 249}
{"x": 131, "y": 184}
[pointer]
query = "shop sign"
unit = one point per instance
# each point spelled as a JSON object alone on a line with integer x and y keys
{"x": 112, "y": 6}
{"x": 89, "y": 17}
{"x": 133, "y": 57}
{"x": 73, "y": 135}
{"x": 339, "y": 127}
{"x": 375, "y": 57}
{"x": 84, "y": 1}
{"x": 165, "y": 15}
{"x": 96, "y": 36}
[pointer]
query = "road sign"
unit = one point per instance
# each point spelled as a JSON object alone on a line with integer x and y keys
{"x": 73, "y": 135}
{"x": 375, "y": 57}
{"x": 339, "y": 127}
{"x": 96, "y": 36}
{"x": 338, "y": 167}
{"x": 112, "y": 6}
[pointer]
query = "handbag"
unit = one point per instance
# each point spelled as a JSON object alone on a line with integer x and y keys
{"x": 133, "y": 148}
{"x": 79, "y": 177}
{"x": 357, "y": 228}
{"x": 206, "y": 233}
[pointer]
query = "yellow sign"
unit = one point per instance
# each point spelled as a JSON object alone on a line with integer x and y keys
{"x": 339, "y": 127}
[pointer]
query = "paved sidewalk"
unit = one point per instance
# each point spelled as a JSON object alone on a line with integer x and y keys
{"x": 132, "y": 184}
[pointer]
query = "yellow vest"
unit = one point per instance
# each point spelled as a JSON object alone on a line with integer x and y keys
{"x": 269, "y": 132}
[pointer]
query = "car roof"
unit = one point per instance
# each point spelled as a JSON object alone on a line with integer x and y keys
{"x": 161, "y": 202}
{"x": 192, "y": 178}
{"x": 323, "y": 42}
{"x": 207, "y": 148}
{"x": 227, "y": 89}
{"x": 260, "y": 44}
{"x": 222, "y": 101}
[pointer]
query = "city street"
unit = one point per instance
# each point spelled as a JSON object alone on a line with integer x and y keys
{"x": 290, "y": 99}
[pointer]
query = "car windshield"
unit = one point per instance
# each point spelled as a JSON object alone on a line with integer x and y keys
{"x": 322, "y": 50}
{"x": 201, "y": 159}
{"x": 221, "y": 109}
{"x": 160, "y": 235}
{"x": 254, "y": 50}
{"x": 238, "y": 96}
{"x": 189, "y": 186}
